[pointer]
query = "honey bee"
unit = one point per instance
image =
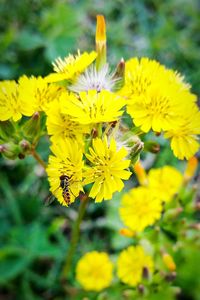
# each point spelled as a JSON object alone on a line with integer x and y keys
{"x": 64, "y": 185}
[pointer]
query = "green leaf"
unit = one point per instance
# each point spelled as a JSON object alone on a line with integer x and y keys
{"x": 28, "y": 40}
{"x": 12, "y": 267}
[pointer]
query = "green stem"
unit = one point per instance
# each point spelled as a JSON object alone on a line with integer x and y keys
{"x": 74, "y": 240}
{"x": 38, "y": 158}
{"x": 11, "y": 200}
{"x": 99, "y": 130}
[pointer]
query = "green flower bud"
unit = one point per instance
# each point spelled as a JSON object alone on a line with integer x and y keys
{"x": 25, "y": 147}
{"x": 135, "y": 151}
{"x": 132, "y": 144}
{"x": 10, "y": 150}
{"x": 170, "y": 276}
{"x": 141, "y": 289}
{"x": 31, "y": 129}
{"x": 172, "y": 214}
{"x": 119, "y": 75}
{"x": 152, "y": 147}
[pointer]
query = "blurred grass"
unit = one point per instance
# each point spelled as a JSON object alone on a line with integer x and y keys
{"x": 33, "y": 33}
{"x": 34, "y": 238}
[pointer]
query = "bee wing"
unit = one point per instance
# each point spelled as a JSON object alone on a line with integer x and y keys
{"x": 50, "y": 199}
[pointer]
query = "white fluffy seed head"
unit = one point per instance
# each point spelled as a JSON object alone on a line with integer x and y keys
{"x": 92, "y": 79}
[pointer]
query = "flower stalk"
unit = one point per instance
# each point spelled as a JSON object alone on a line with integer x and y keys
{"x": 74, "y": 240}
{"x": 38, "y": 158}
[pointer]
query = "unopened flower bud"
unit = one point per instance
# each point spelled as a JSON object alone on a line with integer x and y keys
{"x": 102, "y": 296}
{"x": 120, "y": 70}
{"x": 172, "y": 214}
{"x": 141, "y": 289}
{"x": 2, "y": 148}
{"x": 119, "y": 75}
{"x": 169, "y": 262}
{"x": 25, "y": 146}
{"x": 152, "y": 147}
{"x": 191, "y": 168}
{"x": 126, "y": 232}
{"x": 145, "y": 273}
{"x": 94, "y": 133}
{"x": 10, "y": 150}
{"x": 131, "y": 143}
{"x": 31, "y": 128}
{"x": 100, "y": 42}
{"x": 6, "y": 130}
{"x": 140, "y": 173}
{"x": 171, "y": 276}
{"x": 135, "y": 151}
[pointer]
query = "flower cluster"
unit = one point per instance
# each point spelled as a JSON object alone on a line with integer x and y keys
{"x": 85, "y": 103}
{"x": 142, "y": 206}
{"x": 94, "y": 270}
{"x": 98, "y": 122}
{"x": 159, "y": 99}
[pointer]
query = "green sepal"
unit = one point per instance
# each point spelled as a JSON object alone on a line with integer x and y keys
{"x": 31, "y": 128}
{"x": 7, "y": 130}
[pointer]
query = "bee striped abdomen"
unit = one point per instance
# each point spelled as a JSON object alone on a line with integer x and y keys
{"x": 64, "y": 184}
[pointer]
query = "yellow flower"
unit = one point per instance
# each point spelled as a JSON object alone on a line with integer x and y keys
{"x": 11, "y": 104}
{"x": 71, "y": 66}
{"x": 178, "y": 79}
{"x": 37, "y": 91}
{"x": 165, "y": 182}
{"x": 156, "y": 97}
{"x": 140, "y": 208}
{"x": 107, "y": 169}
{"x": 184, "y": 141}
{"x": 142, "y": 74}
{"x": 139, "y": 76}
{"x": 67, "y": 160}
{"x": 61, "y": 126}
{"x": 93, "y": 107}
{"x": 131, "y": 264}
{"x": 94, "y": 271}
{"x": 160, "y": 108}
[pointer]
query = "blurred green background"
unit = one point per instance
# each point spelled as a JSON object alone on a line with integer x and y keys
{"x": 34, "y": 238}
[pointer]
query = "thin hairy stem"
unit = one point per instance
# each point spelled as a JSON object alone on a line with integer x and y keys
{"x": 74, "y": 240}
{"x": 38, "y": 158}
